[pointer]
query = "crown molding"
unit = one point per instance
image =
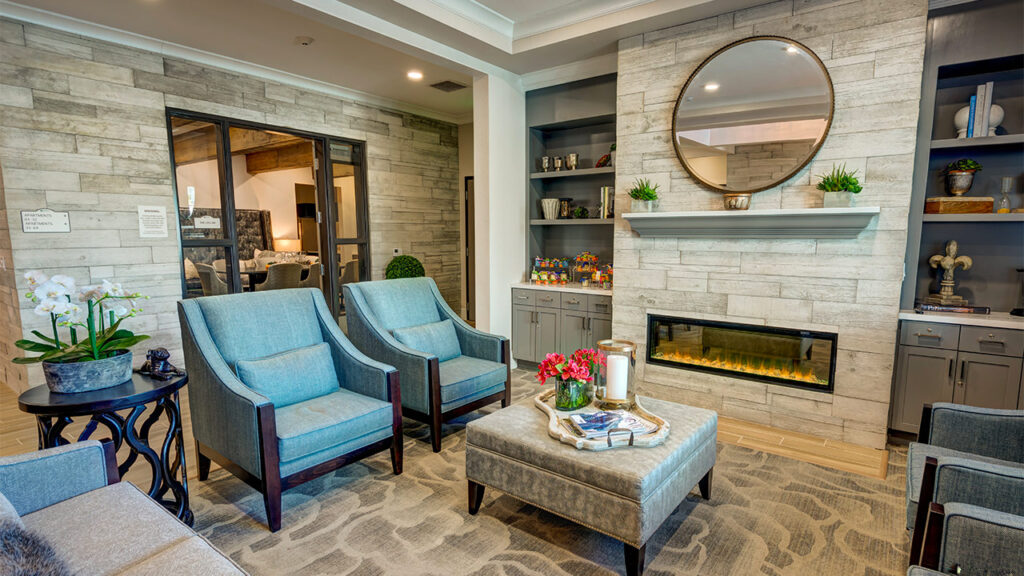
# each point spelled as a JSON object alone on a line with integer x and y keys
{"x": 64, "y": 23}
{"x": 571, "y": 72}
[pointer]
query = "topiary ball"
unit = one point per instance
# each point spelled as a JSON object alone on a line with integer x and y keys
{"x": 404, "y": 266}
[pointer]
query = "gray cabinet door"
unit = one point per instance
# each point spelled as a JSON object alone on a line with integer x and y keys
{"x": 574, "y": 331}
{"x": 546, "y": 333}
{"x": 987, "y": 380}
{"x": 600, "y": 329}
{"x": 923, "y": 376}
{"x": 523, "y": 333}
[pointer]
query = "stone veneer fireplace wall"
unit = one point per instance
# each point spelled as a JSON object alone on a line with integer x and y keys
{"x": 874, "y": 52}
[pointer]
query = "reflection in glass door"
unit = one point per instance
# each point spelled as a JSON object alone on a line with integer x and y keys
{"x": 262, "y": 209}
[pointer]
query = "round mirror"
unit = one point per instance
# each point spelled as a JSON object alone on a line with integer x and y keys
{"x": 753, "y": 114}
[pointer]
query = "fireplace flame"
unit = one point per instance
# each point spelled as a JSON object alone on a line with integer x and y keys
{"x": 746, "y": 364}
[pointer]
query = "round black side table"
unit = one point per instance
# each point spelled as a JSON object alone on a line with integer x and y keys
{"x": 54, "y": 412}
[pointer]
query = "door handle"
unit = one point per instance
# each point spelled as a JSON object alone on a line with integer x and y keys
{"x": 573, "y": 302}
{"x": 924, "y": 335}
{"x": 950, "y": 368}
{"x": 963, "y": 368}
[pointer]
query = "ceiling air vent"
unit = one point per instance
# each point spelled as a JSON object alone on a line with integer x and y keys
{"x": 448, "y": 86}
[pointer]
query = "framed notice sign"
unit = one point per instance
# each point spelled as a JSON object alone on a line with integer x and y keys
{"x": 152, "y": 222}
{"x": 44, "y": 220}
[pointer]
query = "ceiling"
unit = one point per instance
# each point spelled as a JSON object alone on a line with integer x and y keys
{"x": 368, "y": 46}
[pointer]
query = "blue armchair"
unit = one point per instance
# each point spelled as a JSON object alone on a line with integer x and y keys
{"x": 967, "y": 539}
{"x": 448, "y": 368}
{"x": 965, "y": 455}
{"x": 278, "y": 395}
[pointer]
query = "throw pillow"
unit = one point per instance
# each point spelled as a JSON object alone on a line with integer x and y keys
{"x": 23, "y": 553}
{"x": 191, "y": 272}
{"x": 293, "y": 376}
{"x": 8, "y": 513}
{"x": 437, "y": 338}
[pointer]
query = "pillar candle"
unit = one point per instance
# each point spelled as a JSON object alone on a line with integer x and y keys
{"x": 618, "y": 376}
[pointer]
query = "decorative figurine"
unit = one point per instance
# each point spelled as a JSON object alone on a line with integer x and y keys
{"x": 157, "y": 366}
{"x": 949, "y": 262}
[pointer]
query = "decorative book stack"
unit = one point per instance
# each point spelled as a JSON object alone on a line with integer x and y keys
{"x": 981, "y": 121}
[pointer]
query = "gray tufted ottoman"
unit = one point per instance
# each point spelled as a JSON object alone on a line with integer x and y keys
{"x": 625, "y": 493}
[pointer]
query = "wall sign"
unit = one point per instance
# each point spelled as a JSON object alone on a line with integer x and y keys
{"x": 44, "y": 220}
{"x": 152, "y": 222}
{"x": 207, "y": 222}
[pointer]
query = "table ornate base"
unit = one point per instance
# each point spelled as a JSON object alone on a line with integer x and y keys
{"x": 169, "y": 485}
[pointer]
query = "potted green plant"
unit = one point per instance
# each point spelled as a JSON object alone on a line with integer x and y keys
{"x": 839, "y": 187}
{"x": 960, "y": 176}
{"x": 102, "y": 357}
{"x": 404, "y": 266}
{"x": 644, "y": 196}
{"x": 580, "y": 212}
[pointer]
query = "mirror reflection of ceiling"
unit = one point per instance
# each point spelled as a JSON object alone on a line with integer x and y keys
{"x": 753, "y": 115}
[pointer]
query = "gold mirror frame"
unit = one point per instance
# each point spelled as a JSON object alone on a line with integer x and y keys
{"x": 813, "y": 153}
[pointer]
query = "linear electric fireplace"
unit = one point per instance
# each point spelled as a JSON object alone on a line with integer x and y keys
{"x": 798, "y": 358}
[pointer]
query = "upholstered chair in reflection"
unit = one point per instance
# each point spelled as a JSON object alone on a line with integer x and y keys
{"x": 312, "y": 279}
{"x": 281, "y": 276}
{"x": 279, "y": 395}
{"x": 210, "y": 280}
{"x": 448, "y": 368}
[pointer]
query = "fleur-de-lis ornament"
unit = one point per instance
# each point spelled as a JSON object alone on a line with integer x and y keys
{"x": 949, "y": 262}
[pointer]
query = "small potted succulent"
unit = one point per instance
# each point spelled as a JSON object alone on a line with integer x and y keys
{"x": 839, "y": 187}
{"x": 580, "y": 213}
{"x": 101, "y": 357}
{"x": 644, "y": 196}
{"x": 960, "y": 176}
{"x": 573, "y": 376}
{"x": 404, "y": 266}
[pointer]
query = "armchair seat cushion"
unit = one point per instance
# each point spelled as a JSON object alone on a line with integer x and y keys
{"x": 290, "y": 377}
{"x": 464, "y": 377}
{"x": 437, "y": 338}
{"x": 915, "y": 470}
{"x": 337, "y": 418}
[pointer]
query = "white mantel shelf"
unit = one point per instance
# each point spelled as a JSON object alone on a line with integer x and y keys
{"x": 777, "y": 223}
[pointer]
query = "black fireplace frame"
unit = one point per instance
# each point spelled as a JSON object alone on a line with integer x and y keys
{"x": 830, "y": 336}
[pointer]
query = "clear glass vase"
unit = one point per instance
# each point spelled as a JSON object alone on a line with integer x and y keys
{"x": 571, "y": 394}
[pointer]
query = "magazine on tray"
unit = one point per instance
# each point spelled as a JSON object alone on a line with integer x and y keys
{"x": 597, "y": 424}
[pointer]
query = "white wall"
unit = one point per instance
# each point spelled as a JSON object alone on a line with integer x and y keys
{"x": 499, "y": 154}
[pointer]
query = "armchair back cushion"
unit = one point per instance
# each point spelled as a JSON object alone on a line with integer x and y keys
{"x": 291, "y": 377}
{"x": 8, "y": 513}
{"x": 401, "y": 303}
{"x": 437, "y": 338}
{"x": 982, "y": 431}
{"x": 260, "y": 324}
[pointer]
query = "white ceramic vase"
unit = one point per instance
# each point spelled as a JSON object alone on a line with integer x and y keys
{"x": 550, "y": 208}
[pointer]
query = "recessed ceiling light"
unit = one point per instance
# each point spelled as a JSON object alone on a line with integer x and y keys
{"x": 415, "y": 75}
{"x": 792, "y": 49}
{"x": 711, "y": 86}
{"x": 303, "y": 40}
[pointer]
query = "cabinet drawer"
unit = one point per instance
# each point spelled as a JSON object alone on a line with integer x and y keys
{"x": 574, "y": 301}
{"x": 992, "y": 341}
{"x": 599, "y": 304}
{"x": 547, "y": 299}
{"x": 522, "y": 297}
{"x": 930, "y": 335}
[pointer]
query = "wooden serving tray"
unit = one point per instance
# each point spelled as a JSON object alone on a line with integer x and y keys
{"x": 545, "y": 401}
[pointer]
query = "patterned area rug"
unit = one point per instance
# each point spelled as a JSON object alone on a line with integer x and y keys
{"x": 767, "y": 515}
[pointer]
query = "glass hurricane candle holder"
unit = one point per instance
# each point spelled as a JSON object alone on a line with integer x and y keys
{"x": 613, "y": 385}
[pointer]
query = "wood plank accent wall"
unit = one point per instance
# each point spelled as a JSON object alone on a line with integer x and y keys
{"x": 83, "y": 130}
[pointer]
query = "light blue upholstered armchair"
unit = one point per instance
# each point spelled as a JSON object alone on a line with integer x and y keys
{"x": 278, "y": 394}
{"x": 965, "y": 456}
{"x": 448, "y": 368}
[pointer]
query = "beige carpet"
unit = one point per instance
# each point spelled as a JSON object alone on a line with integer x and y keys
{"x": 767, "y": 515}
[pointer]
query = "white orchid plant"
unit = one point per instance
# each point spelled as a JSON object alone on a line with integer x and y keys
{"x": 98, "y": 310}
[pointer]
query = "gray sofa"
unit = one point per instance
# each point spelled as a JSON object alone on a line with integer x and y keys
{"x": 72, "y": 497}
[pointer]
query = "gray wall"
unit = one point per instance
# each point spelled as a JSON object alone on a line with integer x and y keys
{"x": 873, "y": 50}
{"x": 82, "y": 129}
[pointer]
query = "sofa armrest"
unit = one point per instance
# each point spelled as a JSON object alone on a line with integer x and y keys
{"x": 969, "y": 539}
{"x": 992, "y": 486}
{"x": 369, "y": 337}
{"x": 36, "y": 480}
{"x": 357, "y": 372}
{"x": 224, "y": 410}
{"x": 982, "y": 431}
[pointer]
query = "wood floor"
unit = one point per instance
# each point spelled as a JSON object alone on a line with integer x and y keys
{"x": 18, "y": 435}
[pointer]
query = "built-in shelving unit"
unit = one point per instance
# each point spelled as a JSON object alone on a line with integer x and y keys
{"x": 578, "y": 117}
{"x": 953, "y": 69}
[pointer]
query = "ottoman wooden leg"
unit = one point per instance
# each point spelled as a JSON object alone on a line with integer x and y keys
{"x": 635, "y": 559}
{"x": 476, "y": 496}
{"x": 705, "y": 485}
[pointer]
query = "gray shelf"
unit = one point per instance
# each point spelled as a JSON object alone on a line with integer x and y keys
{"x": 775, "y": 223}
{"x": 577, "y": 173}
{"x": 573, "y": 222}
{"x": 1012, "y": 217}
{"x": 954, "y": 143}
{"x": 577, "y": 122}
